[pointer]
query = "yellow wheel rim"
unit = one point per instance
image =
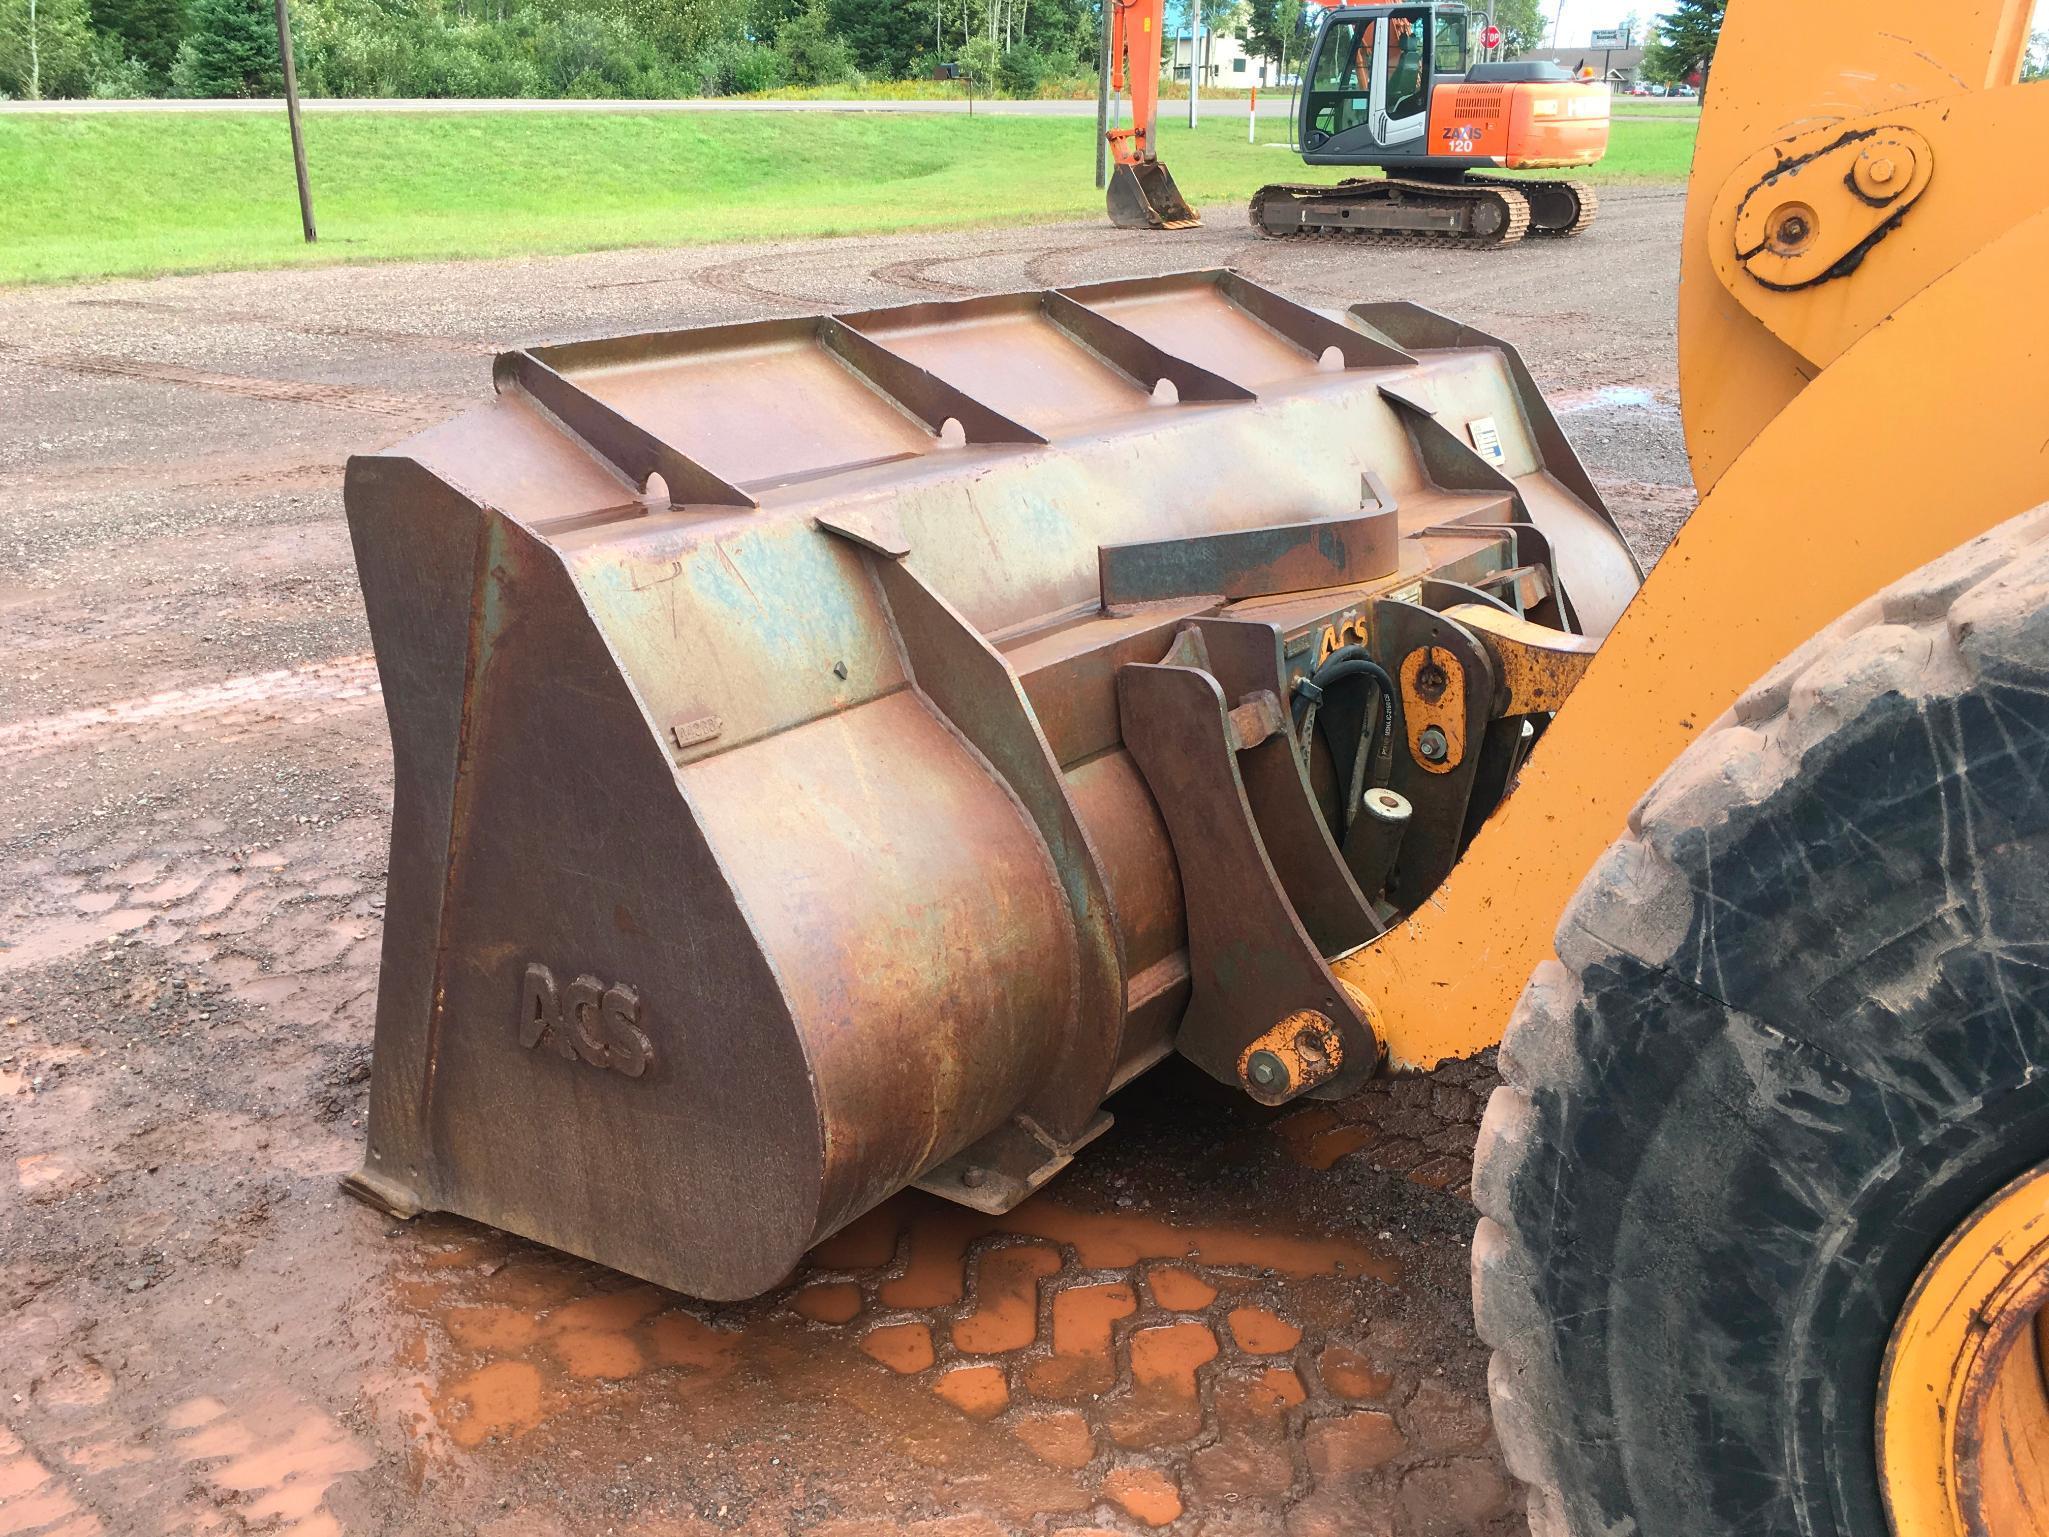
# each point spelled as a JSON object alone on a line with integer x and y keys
{"x": 1963, "y": 1405}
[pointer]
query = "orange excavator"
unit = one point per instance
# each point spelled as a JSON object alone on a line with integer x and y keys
{"x": 1396, "y": 88}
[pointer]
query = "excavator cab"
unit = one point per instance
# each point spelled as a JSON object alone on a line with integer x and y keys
{"x": 1368, "y": 86}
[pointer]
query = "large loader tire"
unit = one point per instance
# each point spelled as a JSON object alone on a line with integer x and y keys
{"x": 1797, "y": 1035}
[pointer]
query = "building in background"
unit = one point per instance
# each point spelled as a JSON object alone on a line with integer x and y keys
{"x": 1224, "y": 61}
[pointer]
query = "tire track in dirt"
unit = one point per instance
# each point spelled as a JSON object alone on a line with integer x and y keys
{"x": 730, "y": 278}
{"x": 417, "y": 340}
{"x": 1040, "y": 264}
{"x": 915, "y": 272}
{"x": 343, "y": 397}
{"x": 233, "y": 707}
{"x": 187, "y": 475}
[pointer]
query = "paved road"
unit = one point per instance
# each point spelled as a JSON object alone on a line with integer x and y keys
{"x": 1272, "y": 105}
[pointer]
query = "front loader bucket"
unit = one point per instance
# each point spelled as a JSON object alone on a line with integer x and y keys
{"x": 1142, "y": 195}
{"x": 792, "y": 805}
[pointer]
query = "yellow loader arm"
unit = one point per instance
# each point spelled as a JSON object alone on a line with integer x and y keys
{"x": 1859, "y": 336}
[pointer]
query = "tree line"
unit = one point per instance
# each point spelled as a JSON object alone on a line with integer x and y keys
{"x": 625, "y": 48}
{"x": 541, "y": 48}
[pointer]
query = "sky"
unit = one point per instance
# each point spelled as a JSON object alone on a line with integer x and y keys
{"x": 1582, "y": 16}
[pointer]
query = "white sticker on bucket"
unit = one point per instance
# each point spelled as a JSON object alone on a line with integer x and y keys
{"x": 1486, "y": 439}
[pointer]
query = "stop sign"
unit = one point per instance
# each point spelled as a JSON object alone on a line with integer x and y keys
{"x": 1490, "y": 37}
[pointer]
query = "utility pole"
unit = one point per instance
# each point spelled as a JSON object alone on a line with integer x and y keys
{"x": 1194, "y": 56}
{"x": 1556, "y": 22}
{"x": 284, "y": 53}
{"x": 1103, "y": 99}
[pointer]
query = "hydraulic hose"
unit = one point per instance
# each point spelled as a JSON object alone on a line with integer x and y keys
{"x": 1342, "y": 665}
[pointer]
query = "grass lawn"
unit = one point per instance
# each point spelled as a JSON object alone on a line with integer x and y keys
{"x": 135, "y": 194}
{"x": 1658, "y": 106}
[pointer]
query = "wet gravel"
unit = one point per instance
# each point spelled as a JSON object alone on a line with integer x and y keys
{"x": 198, "y": 1333}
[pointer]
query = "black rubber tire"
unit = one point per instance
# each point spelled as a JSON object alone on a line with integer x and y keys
{"x": 1799, "y": 1030}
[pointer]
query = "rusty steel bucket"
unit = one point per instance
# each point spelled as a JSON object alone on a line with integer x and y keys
{"x": 1142, "y": 195}
{"x": 836, "y": 753}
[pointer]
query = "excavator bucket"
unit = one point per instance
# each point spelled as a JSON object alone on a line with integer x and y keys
{"x": 836, "y": 753}
{"x": 1142, "y": 195}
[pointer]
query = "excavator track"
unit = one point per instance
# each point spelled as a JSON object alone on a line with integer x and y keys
{"x": 1393, "y": 208}
{"x": 1557, "y": 208}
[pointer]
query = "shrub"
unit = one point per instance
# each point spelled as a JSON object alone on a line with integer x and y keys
{"x": 584, "y": 55}
{"x": 1022, "y": 71}
{"x": 734, "y": 66}
{"x": 117, "y": 75}
{"x": 981, "y": 61}
{"x": 350, "y": 50}
{"x": 812, "y": 53}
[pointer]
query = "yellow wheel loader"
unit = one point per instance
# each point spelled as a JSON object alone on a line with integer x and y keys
{"x": 836, "y": 753}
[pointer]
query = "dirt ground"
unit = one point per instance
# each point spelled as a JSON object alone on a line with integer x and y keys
{"x": 1222, "y": 1320}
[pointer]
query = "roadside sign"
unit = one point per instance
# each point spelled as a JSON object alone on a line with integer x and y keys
{"x": 1490, "y": 37}
{"x": 1612, "y": 37}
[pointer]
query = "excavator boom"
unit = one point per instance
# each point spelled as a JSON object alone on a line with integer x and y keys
{"x": 1142, "y": 193}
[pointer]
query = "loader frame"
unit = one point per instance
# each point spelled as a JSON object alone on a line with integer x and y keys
{"x": 1822, "y": 477}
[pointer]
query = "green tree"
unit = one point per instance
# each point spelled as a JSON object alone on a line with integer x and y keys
{"x": 980, "y": 59}
{"x": 116, "y": 73}
{"x": 1683, "y": 42}
{"x": 1064, "y": 31}
{"x": 1523, "y": 26}
{"x": 230, "y": 50}
{"x": 887, "y": 36}
{"x": 46, "y": 48}
{"x": 680, "y": 28}
{"x": 148, "y": 30}
{"x": 812, "y": 53}
{"x": 2035, "y": 62}
{"x": 1221, "y": 15}
{"x": 1279, "y": 30}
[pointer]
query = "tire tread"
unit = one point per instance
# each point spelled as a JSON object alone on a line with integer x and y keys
{"x": 1980, "y": 612}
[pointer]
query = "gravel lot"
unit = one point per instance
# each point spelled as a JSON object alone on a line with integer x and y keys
{"x": 1224, "y": 1321}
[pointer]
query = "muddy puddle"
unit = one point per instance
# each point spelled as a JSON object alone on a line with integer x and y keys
{"x": 1057, "y": 1360}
